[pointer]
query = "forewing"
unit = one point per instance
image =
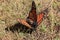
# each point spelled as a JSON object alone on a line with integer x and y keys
{"x": 23, "y": 22}
{"x": 40, "y": 17}
{"x": 32, "y": 14}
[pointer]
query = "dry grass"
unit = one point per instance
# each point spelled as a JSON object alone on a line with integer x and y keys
{"x": 10, "y": 10}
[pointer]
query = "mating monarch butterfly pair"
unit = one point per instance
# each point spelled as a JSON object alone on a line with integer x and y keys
{"x": 33, "y": 20}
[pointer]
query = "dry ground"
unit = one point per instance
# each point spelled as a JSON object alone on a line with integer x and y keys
{"x": 10, "y": 10}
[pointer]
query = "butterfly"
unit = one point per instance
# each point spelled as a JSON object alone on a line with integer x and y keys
{"x": 33, "y": 19}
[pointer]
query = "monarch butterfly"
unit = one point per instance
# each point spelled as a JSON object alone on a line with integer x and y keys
{"x": 33, "y": 20}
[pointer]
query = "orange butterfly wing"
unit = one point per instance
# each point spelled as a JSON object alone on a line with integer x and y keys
{"x": 39, "y": 18}
{"x": 22, "y": 21}
{"x": 41, "y": 15}
{"x": 32, "y": 14}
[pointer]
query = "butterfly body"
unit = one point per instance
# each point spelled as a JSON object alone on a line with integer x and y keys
{"x": 33, "y": 20}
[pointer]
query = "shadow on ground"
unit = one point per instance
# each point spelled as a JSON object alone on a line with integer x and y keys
{"x": 19, "y": 28}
